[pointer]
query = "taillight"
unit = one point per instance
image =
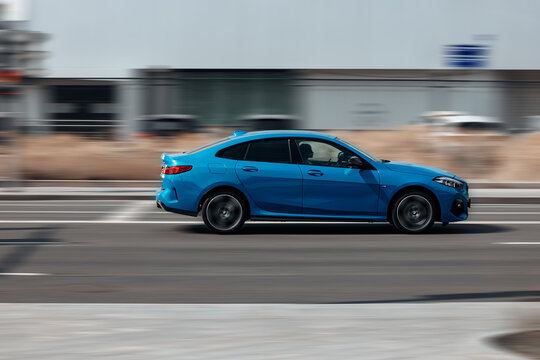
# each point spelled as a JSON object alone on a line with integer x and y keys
{"x": 176, "y": 169}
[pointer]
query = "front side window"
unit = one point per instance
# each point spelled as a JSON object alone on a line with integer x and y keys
{"x": 322, "y": 153}
{"x": 269, "y": 150}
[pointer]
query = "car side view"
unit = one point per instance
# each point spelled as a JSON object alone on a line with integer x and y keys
{"x": 303, "y": 175}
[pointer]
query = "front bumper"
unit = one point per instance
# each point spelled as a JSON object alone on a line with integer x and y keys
{"x": 454, "y": 203}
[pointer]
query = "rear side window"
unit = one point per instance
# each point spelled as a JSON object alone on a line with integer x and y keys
{"x": 236, "y": 152}
{"x": 269, "y": 150}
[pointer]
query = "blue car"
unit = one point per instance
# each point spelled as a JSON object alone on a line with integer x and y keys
{"x": 303, "y": 175}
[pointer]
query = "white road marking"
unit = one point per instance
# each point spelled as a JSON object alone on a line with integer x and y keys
{"x": 104, "y": 221}
{"x": 519, "y": 243}
{"x": 67, "y": 200}
{"x": 505, "y": 213}
{"x": 495, "y": 222}
{"x": 23, "y": 274}
{"x": 94, "y": 181}
{"x": 73, "y": 212}
{"x": 506, "y": 205}
{"x": 63, "y": 205}
{"x": 108, "y": 221}
{"x": 127, "y": 213}
{"x": 162, "y": 212}
{"x": 58, "y": 212}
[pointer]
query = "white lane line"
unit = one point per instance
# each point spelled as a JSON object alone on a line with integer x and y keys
{"x": 68, "y": 200}
{"x": 60, "y": 212}
{"x": 23, "y": 274}
{"x": 505, "y": 213}
{"x": 518, "y": 243}
{"x": 506, "y": 205}
{"x": 74, "y": 212}
{"x": 108, "y": 221}
{"x": 129, "y": 206}
{"x": 124, "y": 202}
{"x": 63, "y": 205}
{"x": 127, "y": 213}
{"x": 97, "y": 222}
{"x": 495, "y": 222}
{"x": 161, "y": 212}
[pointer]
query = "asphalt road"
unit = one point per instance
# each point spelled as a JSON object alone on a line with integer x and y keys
{"x": 130, "y": 252}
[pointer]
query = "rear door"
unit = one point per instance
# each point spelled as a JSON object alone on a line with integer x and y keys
{"x": 269, "y": 176}
{"x": 329, "y": 186}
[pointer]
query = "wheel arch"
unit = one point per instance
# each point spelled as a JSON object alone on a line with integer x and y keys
{"x": 414, "y": 188}
{"x": 220, "y": 188}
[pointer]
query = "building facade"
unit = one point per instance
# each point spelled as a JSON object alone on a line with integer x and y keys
{"x": 331, "y": 64}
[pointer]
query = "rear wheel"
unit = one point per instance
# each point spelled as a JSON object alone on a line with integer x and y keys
{"x": 413, "y": 212}
{"x": 224, "y": 212}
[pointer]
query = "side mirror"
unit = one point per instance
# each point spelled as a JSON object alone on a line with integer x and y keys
{"x": 357, "y": 163}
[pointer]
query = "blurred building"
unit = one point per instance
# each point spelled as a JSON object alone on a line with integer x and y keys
{"x": 20, "y": 63}
{"x": 347, "y": 64}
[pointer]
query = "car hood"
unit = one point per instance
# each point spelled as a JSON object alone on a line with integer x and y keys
{"x": 411, "y": 168}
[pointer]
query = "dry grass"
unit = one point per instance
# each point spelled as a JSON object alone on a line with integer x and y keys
{"x": 73, "y": 157}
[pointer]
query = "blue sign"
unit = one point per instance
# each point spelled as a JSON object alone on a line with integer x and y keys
{"x": 466, "y": 56}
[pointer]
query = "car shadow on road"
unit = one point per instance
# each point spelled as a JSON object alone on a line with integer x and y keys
{"x": 22, "y": 248}
{"x": 284, "y": 228}
{"x": 527, "y": 295}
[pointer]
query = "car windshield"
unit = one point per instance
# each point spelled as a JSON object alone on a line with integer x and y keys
{"x": 197, "y": 149}
{"x": 361, "y": 151}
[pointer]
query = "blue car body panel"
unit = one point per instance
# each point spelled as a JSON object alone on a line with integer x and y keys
{"x": 339, "y": 191}
{"x": 296, "y": 190}
{"x": 274, "y": 188}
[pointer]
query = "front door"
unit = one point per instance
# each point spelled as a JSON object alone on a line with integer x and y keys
{"x": 329, "y": 186}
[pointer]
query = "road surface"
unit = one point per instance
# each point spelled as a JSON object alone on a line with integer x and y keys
{"x": 99, "y": 251}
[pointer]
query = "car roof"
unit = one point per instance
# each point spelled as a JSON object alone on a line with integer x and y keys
{"x": 254, "y": 135}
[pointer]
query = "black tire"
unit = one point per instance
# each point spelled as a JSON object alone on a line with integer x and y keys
{"x": 413, "y": 212}
{"x": 224, "y": 212}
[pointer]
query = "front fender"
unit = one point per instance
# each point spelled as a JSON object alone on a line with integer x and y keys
{"x": 391, "y": 185}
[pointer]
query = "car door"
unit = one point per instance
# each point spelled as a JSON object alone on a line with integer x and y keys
{"x": 270, "y": 178}
{"x": 329, "y": 186}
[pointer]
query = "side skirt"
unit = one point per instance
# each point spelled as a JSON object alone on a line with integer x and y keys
{"x": 313, "y": 219}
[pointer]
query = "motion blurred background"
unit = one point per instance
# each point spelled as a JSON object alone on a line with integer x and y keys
{"x": 93, "y": 91}
{"x": 98, "y": 89}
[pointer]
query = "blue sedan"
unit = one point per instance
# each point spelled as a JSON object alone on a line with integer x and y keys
{"x": 303, "y": 175}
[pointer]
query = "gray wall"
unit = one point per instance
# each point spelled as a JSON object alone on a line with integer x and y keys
{"x": 388, "y": 105}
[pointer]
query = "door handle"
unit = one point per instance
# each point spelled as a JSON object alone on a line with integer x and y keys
{"x": 250, "y": 168}
{"x": 315, "y": 173}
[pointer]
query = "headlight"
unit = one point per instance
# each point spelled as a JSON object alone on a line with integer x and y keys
{"x": 449, "y": 182}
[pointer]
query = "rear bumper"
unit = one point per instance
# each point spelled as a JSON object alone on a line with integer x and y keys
{"x": 162, "y": 206}
{"x": 166, "y": 199}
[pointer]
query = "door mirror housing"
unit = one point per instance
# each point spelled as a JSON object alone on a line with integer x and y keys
{"x": 357, "y": 163}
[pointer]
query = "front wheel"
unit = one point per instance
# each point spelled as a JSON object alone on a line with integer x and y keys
{"x": 224, "y": 212}
{"x": 413, "y": 212}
